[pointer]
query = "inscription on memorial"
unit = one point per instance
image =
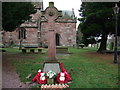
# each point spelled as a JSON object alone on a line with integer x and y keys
{"x": 52, "y": 66}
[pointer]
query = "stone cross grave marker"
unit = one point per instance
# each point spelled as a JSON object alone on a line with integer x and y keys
{"x": 51, "y": 14}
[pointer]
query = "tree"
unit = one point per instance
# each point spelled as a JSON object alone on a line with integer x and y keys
{"x": 79, "y": 37}
{"x": 97, "y": 20}
{"x": 15, "y": 13}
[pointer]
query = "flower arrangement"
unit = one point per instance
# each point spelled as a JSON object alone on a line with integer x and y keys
{"x": 51, "y": 74}
{"x": 42, "y": 77}
{"x": 39, "y": 70}
{"x": 62, "y": 77}
{"x": 51, "y": 77}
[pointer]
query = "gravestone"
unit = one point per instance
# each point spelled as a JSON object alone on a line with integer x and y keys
{"x": 51, "y": 14}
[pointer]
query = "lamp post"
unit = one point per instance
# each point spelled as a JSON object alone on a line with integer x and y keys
{"x": 116, "y": 11}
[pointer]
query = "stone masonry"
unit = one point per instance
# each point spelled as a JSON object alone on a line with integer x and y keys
{"x": 36, "y": 31}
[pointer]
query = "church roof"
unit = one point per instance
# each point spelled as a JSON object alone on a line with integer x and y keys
{"x": 67, "y": 14}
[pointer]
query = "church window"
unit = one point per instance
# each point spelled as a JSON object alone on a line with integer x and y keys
{"x": 22, "y": 33}
{"x": 57, "y": 39}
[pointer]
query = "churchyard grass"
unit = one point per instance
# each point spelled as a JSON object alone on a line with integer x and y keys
{"x": 12, "y": 50}
{"x": 87, "y": 68}
{"x": 91, "y": 70}
{"x": 119, "y": 48}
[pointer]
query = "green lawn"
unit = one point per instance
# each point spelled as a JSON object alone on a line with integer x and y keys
{"x": 119, "y": 48}
{"x": 87, "y": 68}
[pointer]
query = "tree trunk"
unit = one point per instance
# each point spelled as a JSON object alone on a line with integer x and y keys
{"x": 103, "y": 43}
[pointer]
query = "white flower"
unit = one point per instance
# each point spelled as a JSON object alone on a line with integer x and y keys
{"x": 42, "y": 74}
{"x": 62, "y": 74}
{"x": 42, "y": 77}
{"x": 62, "y": 78}
{"x": 39, "y": 70}
{"x": 50, "y": 74}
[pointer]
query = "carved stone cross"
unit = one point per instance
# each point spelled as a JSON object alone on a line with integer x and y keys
{"x": 51, "y": 14}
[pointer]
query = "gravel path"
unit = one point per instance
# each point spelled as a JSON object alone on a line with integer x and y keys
{"x": 10, "y": 79}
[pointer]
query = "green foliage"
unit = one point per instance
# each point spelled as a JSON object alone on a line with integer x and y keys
{"x": 96, "y": 16}
{"x": 15, "y": 13}
{"x": 119, "y": 48}
{"x": 79, "y": 37}
{"x": 87, "y": 41}
{"x": 97, "y": 20}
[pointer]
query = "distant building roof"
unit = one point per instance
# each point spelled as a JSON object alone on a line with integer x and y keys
{"x": 67, "y": 14}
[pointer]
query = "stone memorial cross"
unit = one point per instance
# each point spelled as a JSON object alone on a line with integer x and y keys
{"x": 51, "y": 14}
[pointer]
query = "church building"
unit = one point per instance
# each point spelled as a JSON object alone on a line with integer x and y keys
{"x": 34, "y": 32}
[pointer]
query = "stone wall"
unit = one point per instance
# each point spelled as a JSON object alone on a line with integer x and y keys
{"x": 31, "y": 37}
{"x": 67, "y": 33}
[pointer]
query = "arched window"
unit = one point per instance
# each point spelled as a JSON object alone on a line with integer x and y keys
{"x": 22, "y": 33}
{"x": 57, "y": 39}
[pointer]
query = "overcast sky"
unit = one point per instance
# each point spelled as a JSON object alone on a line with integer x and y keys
{"x": 65, "y": 5}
